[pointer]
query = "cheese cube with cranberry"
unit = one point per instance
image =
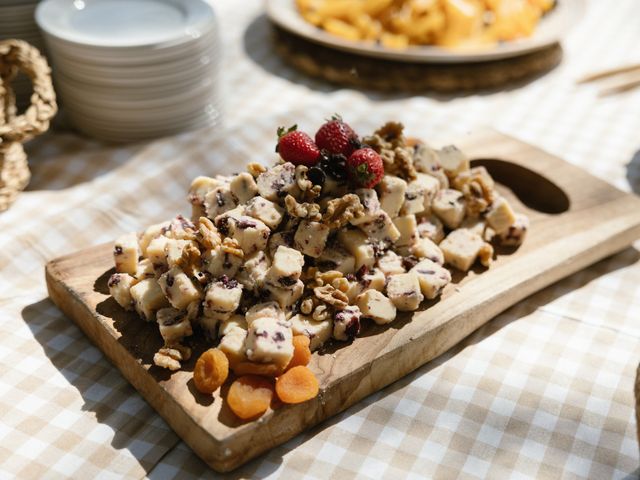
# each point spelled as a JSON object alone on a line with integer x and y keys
{"x": 269, "y": 341}
{"x": 222, "y": 298}
{"x": 426, "y": 248}
{"x": 265, "y": 210}
{"x": 346, "y": 323}
{"x": 277, "y": 182}
{"x": 449, "y": 206}
{"x": 119, "y": 288}
{"x": 336, "y": 257}
{"x": 311, "y": 238}
{"x": 404, "y": 291}
{"x": 408, "y": 228}
{"x": 219, "y": 200}
{"x": 357, "y": 244}
{"x": 500, "y": 216}
{"x": 179, "y": 288}
{"x": 375, "y": 305}
{"x": 286, "y": 267}
{"x": 462, "y": 247}
{"x": 253, "y": 271}
{"x": 148, "y": 298}
{"x": 243, "y": 187}
{"x": 125, "y": 253}
{"x": 174, "y": 325}
{"x": 392, "y": 190}
{"x": 453, "y": 161}
{"x": 317, "y": 331}
{"x": 432, "y": 278}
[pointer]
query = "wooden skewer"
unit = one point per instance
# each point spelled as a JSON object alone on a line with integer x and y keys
{"x": 622, "y": 87}
{"x": 608, "y": 73}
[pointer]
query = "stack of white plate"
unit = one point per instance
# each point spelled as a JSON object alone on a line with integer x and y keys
{"x": 129, "y": 70}
{"x": 17, "y": 21}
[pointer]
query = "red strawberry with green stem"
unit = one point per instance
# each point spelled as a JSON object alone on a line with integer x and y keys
{"x": 365, "y": 167}
{"x": 337, "y": 137}
{"x": 297, "y": 147}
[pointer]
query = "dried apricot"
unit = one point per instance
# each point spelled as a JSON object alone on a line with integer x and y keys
{"x": 297, "y": 385}
{"x": 301, "y": 351}
{"x": 254, "y": 368}
{"x": 211, "y": 370}
{"x": 250, "y": 396}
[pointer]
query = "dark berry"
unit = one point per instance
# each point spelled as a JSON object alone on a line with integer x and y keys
{"x": 316, "y": 175}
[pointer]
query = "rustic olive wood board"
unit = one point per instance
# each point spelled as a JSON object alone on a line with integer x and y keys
{"x": 576, "y": 219}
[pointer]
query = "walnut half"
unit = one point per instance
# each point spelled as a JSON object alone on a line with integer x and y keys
{"x": 332, "y": 296}
{"x": 340, "y": 211}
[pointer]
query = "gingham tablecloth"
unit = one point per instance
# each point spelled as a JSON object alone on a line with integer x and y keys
{"x": 545, "y": 390}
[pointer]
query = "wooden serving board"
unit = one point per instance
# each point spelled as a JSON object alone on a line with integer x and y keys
{"x": 576, "y": 219}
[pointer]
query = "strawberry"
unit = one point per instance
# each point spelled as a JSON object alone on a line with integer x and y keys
{"x": 297, "y": 147}
{"x": 365, "y": 167}
{"x": 337, "y": 137}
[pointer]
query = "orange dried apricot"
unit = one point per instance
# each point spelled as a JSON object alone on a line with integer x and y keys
{"x": 301, "y": 351}
{"x": 211, "y": 370}
{"x": 250, "y": 396}
{"x": 297, "y": 385}
{"x": 253, "y": 368}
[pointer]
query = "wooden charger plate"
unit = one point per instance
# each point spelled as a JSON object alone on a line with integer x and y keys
{"x": 576, "y": 220}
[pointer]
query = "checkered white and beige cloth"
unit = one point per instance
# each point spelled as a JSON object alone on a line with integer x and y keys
{"x": 545, "y": 390}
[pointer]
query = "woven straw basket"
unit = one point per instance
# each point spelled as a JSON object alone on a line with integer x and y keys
{"x": 15, "y": 56}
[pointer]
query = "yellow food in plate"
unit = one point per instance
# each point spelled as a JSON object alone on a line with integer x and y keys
{"x": 447, "y": 23}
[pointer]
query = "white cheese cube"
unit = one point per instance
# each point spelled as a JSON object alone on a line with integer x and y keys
{"x": 369, "y": 200}
{"x": 119, "y": 288}
{"x": 346, "y": 323}
{"x": 500, "y": 216}
{"x": 404, "y": 291}
{"x": 462, "y": 247}
{"x": 222, "y": 298}
{"x": 376, "y": 280}
{"x": 425, "y": 159}
{"x": 154, "y": 231}
{"x": 280, "y": 238}
{"x": 392, "y": 191}
{"x": 449, "y": 206}
{"x": 381, "y": 228}
{"x": 408, "y": 228}
{"x": 430, "y": 227}
{"x": 179, "y": 288}
{"x": 426, "y": 248}
{"x": 285, "y": 296}
{"x": 180, "y": 228}
{"x": 148, "y": 298}
{"x": 174, "y": 325}
{"x": 475, "y": 225}
{"x": 311, "y": 238}
{"x": 219, "y": 200}
{"x": 156, "y": 253}
{"x": 232, "y": 345}
{"x": 265, "y": 309}
{"x": 286, "y": 267}
{"x": 515, "y": 234}
{"x": 453, "y": 161}
{"x": 253, "y": 271}
{"x": 431, "y": 186}
{"x": 336, "y": 257}
{"x": 145, "y": 269}
{"x": 243, "y": 187}
{"x": 277, "y": 182}
{"x": 234, "y": 321}
{"x": 432, "y": 277}
{"x": 218, "y": 262}
{"x": 173, "y": 251}
{"x": 125, "y": 253}
{"x": 357, "y": 245}
{"x": 391, "y": 263}
{"x": 375, "y": 305}
{"x": 252, "y": 235}
{"x": 414, "y": 198}
{"x": 269, "y": 341}
{"x": 265, "y": 210}
{"x": 318, "y": 332}
{"x": 198, "y": 191}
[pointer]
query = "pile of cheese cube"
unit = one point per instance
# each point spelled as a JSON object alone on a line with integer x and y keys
{"x": 244, "y": 271}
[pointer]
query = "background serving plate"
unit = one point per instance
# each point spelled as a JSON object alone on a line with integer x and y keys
{"x": 576, "y": 219}
{"x": 551, "y": 29}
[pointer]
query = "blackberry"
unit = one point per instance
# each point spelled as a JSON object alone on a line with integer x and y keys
{"x": 316, "y": 175}
{"x": 334, "y": 165}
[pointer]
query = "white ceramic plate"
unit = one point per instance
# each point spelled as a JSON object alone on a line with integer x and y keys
{"x": 550, "y": 30}
{"x": 125, "y": 23}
